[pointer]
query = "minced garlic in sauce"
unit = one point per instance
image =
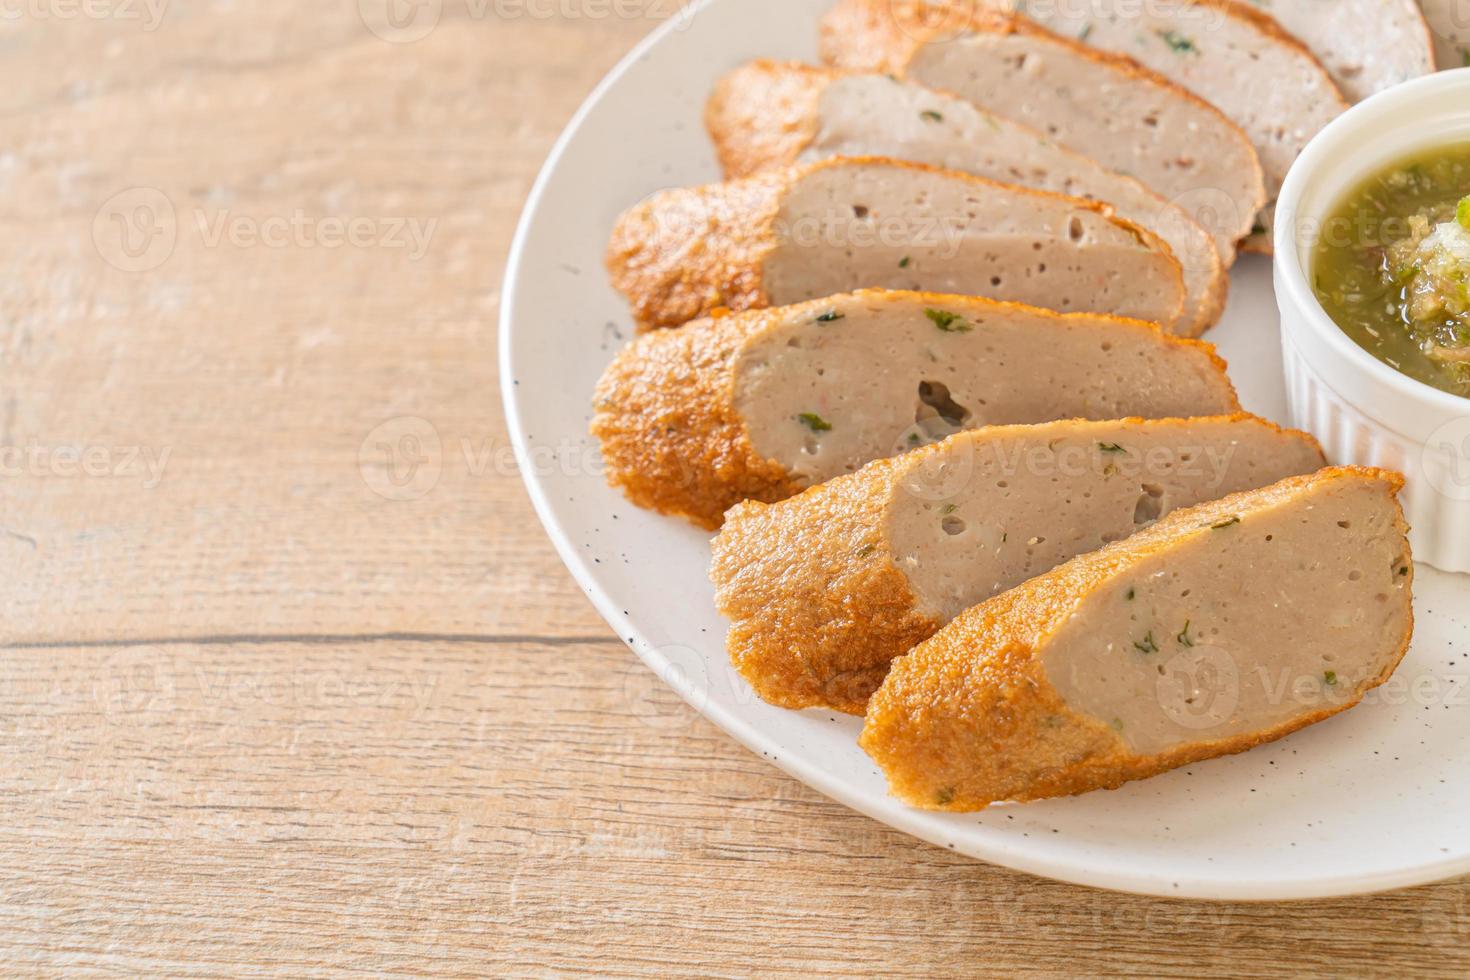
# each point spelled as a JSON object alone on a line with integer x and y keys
{"x": 1392, "y": 267}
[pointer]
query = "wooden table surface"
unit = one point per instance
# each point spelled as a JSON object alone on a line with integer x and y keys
{"x": 262, "y": 712}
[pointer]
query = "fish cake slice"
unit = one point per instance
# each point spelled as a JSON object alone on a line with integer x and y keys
{"x": 762, "y": 404}
{"x": 854, "y": 223}
{"x": 1366, "y": 45}
{"x": 1231, "y": 55}
{"x": 1220, "y": 628}
{"x": 1130, "y": 119}
{"x": 767, "y": 115}
{"x": 824, "y": 590}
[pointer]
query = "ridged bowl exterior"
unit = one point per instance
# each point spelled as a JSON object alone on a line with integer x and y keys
{"x": 1363, "y": 411}
{"x": 1436, "y": 497}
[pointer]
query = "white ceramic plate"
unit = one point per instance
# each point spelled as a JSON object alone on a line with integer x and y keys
{"x": 1376, "y": 798}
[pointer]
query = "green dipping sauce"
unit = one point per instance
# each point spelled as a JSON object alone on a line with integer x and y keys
{"x": 1392, "y": 267}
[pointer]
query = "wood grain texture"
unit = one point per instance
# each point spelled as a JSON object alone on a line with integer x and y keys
{"x": 262, "y": 713}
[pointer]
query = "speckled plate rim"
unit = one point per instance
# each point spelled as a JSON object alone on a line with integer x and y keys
{"x": 1011, "y": 853}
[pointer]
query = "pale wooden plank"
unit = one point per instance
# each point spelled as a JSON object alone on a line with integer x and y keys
{"x": 518, "y": 808}
{"x": 228, "y": 398}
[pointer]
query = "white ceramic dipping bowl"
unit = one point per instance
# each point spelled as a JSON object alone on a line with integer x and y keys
{"x": 1363, "y": 411}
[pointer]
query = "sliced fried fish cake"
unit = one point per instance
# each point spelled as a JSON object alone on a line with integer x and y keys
{"x": 762, "y": 404}
{"x": 1366, "y": 45}
{"x": 854, "y": 223}
{"x": 1220, "y": 628}
{"x": 1132, "y": 120}
{"x": 824, "y": 590}
{"x": 768, "y": 115}
{"x": 1231, "y": 55}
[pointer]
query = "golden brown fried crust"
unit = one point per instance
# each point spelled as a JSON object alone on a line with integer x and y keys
{"x": 665, "y": 413}
{"x": 671, "y": 438}
{"x": 1018, "y": 740}
{"x": 764, "y": 114}
{"x": 803, "y": 582}
{"x": 695, "y": 252}
{"x": 684, "y": 253}
{"x": 884, "y": 35}
{"x": 801, "y": 646}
